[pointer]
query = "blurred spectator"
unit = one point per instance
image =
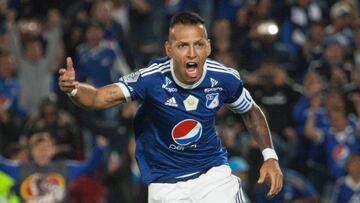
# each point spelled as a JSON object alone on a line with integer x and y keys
{"x": 334, "y": 67}
{"x": 356, "y": 53}
{"x": 87, "y": 189}
{"x": 16, "y": 153}
{"x": 340, "y": 138}
{"x": 99, "y": 64}
{"x": 102, "y": 12}
{"x": 296, "y": 189}
{"x": 261, "y": 46}
{"x": 228, "y": 9}
{"x": 295, "y": 27}
{"x": 310, "y": 155}
{"x": 347, "y": 188}
{"x": 11, "y": 114}
{"x": 148, "y": 19}
{"x": 34, "y": 63}
{"x": 270, "y": 88}
{"x": 340, "y": 27}
{"x": 98, "y": 60}
{"x": 352, "y": 94}
{"x": 223, "y": 48}
{"x": 123, "y": 178}
{"x": 43, "y": 180}
{"x": 312, "y": 50}
{"x": 9, "y": 85}
{"x": 204, "y": 8}
{"x": 61, "y": 126}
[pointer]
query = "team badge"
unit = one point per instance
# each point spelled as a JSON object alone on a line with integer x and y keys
{"x": 191, "y": 103}
{"x": 186, "y": 132}
{"x": 212, "y": 100}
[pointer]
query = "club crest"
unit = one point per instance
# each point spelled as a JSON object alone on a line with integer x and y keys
{"x": 212, "y": 100}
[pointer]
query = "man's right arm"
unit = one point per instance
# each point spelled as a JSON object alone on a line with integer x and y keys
{"x": 89, "y": 97}
{"x": 85, "y": 95}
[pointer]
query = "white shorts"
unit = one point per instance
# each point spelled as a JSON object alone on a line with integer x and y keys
{"x": 217, "y": 185}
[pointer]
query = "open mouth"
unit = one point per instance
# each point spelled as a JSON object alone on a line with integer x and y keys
{"x": 192, "y": 69}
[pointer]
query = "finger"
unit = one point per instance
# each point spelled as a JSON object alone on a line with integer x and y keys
{"x": 272, "y": 185}
{"x": 280, "y": 183}
{"x": 262, "y": 177}
{"x": 69, "y": 84}
{"x": 62, "y": 71}
{"x": 65, "y": 78}
{"x": 69, "y": 64}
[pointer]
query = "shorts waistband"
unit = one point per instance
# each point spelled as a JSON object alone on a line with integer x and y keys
{"x": 183, "y": 179}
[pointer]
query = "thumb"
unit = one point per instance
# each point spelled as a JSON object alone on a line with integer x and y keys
{"x": 261, "y": 178}
{"x": 69, "y": 64}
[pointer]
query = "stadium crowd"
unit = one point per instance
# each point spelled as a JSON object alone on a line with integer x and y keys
{"x": 300, "y": 59}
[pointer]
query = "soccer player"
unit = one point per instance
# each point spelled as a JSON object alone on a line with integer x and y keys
{"x": 177, "y": 147}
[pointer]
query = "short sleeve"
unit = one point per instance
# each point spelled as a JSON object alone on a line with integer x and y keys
{"x": 133, "y": 86}
{"x": 239, "y": 99}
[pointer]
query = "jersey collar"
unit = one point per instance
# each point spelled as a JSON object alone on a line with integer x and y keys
{"x": 183, "y": 85}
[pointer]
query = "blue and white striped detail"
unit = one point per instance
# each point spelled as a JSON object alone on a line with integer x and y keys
{"x": 124, "y": 90}
{"x": 243, "y": 103}
{"x": 155, "y": 68}
{"x": 218, "y": 67}
{"x": 239, "y": 197}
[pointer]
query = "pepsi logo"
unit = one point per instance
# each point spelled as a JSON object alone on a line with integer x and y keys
{"x": 341, "y": 152}
{"x": 186, "y": 132}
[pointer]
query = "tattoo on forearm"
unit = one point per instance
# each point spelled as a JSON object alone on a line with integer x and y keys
{"x": 256, "y": 124}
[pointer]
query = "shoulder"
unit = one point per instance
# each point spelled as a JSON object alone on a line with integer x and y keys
{"x": 156, "y": 67}
{"x": 221, "y": 69}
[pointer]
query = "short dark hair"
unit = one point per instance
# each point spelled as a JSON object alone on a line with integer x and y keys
{"x": 187, "y": 18}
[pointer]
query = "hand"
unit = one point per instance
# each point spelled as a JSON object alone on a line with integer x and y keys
{"x": 270, "y": 171}
{"x": 67, "y": 80}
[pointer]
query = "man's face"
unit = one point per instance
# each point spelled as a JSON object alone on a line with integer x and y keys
{"x": 189, "y": 47}
{"x": 43, "y": 152}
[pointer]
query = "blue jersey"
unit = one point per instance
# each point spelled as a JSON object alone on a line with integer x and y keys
{"x": 96, "y": 64}
{"x": 175, "y": 124}
{"x": 346, "y": 191}
{"x": 339, "y": 146}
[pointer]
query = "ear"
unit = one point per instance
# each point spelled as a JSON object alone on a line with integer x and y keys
{"x": 208, "y": 47}
{"x": 168, "y": 49}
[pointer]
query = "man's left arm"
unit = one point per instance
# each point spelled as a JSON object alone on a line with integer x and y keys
{"x": 256, "y": 124}
{"x": 76, "y": 169}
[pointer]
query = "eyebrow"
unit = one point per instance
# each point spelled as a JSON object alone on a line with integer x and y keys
{"x": 198, "y": 41}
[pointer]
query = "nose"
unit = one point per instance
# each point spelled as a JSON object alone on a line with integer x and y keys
{"x": 191, "y": 52}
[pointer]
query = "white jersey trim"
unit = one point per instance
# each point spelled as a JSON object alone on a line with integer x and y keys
{"x": 217, "y": 67}
{"x": 153, "y": 67}
{"x": 243, "y": 103}
{"x": 186, "y": 86}
{"x": 125, "y": 91}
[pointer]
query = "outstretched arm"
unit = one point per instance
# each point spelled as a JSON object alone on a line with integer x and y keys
{"x": 256, "y": 123}
{"x": 76, "y": 169}
{"x": 85, "y": 95}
